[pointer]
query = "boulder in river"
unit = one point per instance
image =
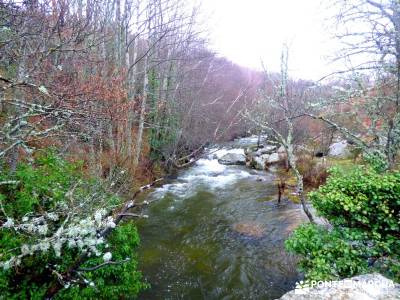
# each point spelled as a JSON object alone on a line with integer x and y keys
{"x": 258, "y": 162}
{"x": 257, "y": 150}
{"x": 273, "y": 158}
{"x": 267, "y": 149}
{"x": 281, "y": 150}
{"x": 369, "y": 286}
{"x": 233, "y": 159}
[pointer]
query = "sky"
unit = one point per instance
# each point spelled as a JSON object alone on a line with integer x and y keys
{"x": 250, "y": 31}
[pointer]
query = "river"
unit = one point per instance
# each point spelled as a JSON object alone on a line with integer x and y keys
{"x": 216, "y": 232}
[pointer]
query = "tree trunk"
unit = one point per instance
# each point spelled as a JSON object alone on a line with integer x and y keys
{"x": 299, "y": 182}
{"x": 113, "y": 151}
{"x": 142, "y": 117}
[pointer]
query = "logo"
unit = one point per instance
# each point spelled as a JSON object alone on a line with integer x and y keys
{"x": 302, "y": 287}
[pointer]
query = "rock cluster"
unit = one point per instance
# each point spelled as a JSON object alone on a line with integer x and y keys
{"x": 260, "y": 157}
{"x": 263, "y": 156}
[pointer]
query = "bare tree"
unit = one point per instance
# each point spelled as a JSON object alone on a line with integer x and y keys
{"x": 282, "y": 101}
{"x": 370, "y": 32}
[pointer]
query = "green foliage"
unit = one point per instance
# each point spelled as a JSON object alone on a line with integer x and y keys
{"x": 326, "y": 255}
{"x": 115, "y": 281}
{"x": 36, "y": 193}
{"x": 364, "y": 208}
{"x": 41, "y": 186}
{"x": 376, "y": 160}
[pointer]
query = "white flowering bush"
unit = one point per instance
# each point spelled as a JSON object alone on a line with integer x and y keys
{"x": 50, "y": 217}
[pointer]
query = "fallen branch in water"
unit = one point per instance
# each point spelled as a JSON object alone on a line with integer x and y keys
{"x": 191, "y": 157}
{"x": 133, "y": 215}
{"x": 192, "y": 161}
{"x": 103, "y": 265}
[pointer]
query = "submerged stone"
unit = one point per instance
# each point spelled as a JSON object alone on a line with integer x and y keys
{"x": 250, "y": 229}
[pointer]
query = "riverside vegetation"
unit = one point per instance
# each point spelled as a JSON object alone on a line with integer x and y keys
{"x": 100, "y": 100}
{"x": 363, "y": 207}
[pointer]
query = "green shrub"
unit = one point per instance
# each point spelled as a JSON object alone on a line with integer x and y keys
{"x": 50, "y": 215}
{"x": 115, "y": 281}
{"x": 363, "y": 207}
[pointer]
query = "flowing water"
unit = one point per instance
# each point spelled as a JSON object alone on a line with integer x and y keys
{"x": 216, "y": 232}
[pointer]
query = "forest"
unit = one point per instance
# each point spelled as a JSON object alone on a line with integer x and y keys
{"x": 138, "y": 162}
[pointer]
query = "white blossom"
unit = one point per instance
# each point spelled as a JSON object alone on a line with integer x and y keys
{"x": 34, "y": 248}
{"x": 25, "y": 249}
{"x": 75, "y": 232}
{"x": 44, "y": 246}
{"x": 52, "y": 216}
{"x": 94, "y": 250}
{"x": 80, "y": 244}
{"x": 6, "y": 265}
{"x": 57, "y": 247}
{"x": 17, "y": 261}
{"x": 71, "y": 243}
{"x": 107, "y": 256}
{"x": 9, "y": 223}
{"x": 38, "y": 220}
{"x": 43, "y": 229}
{"x": 97, "y": 217}
{"x": 111, "y": 224}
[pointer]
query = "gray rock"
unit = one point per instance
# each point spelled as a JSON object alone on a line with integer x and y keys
{"x": 273, "y": 158}
{"x": 256, "y": 150}
{"x": 268, "y": 149}
{"x": 252, "y": 149}
{"x": 233, "y": 159}
{"x": 339, "y": 149}
{"x": 363, "y": 287}
{"x": 282, "y": 153}
{"x": 281, "y": 150}
{"x": 258, "y": 162}
{"x": 262, "y": 157}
